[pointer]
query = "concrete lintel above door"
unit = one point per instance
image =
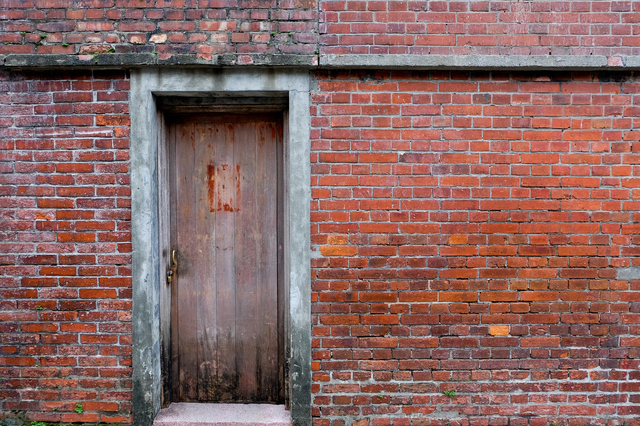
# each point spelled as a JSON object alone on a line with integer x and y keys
{"x": 149, "y": 85}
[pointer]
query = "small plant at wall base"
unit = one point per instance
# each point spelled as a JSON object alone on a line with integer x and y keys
{"x": 34, "y": 423}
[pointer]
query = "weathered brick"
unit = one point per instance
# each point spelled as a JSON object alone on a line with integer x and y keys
{"x": 103, "y": 26}
{"x": 508, "y": 221}
{"x": 64, "y": 232}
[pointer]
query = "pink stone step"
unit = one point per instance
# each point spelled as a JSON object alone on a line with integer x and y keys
{"x": 193, "y": 414}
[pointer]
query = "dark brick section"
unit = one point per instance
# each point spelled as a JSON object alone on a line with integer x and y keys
{"x": 608, "y": 28}
{"x": 469, "y": 231}
{"x": 202, "y": 28}
{"x": 206, "y": 28}
{"x": 65, "y": 267}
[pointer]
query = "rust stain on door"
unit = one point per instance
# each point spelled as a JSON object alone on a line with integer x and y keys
{"x": 224, "y": 188}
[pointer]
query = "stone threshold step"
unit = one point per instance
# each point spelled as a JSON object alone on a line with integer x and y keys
{"x": 203, "y": 414}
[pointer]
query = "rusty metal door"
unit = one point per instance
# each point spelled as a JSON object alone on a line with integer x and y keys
{"x": 227, "y": 317}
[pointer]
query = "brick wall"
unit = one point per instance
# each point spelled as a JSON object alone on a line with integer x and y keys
{"x": 481, "y": 27}
{"x": 468, "y": 232}
{"x": 65, "y": 244}
{"x": 212, "y": 27}
{"x": 471, "y": 233}
{"x": 202, "y": 27}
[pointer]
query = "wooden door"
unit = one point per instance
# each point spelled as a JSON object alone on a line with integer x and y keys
{"x": 227, "y": 317}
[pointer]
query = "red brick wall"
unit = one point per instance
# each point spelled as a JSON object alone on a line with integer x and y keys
{"x": 65, "y": 246}
{"x": 481, "y": 27}
{"x": 210, "y": 27}
{"x": 468, "y": 234}
{"x": 202, "y": 27}
{"x": 468, "y": 230}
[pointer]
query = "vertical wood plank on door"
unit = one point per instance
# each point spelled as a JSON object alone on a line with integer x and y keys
{"x": 164, "y": 250}
{"x": 173, "y": 219}
{"x": 186, "y": 282}
{"x": 267, "y": 256}
{"x": 282, "y": 288}
{"x": 246, "y": 272}
{"x": 205, "y": 274}
{"x": 224, "y": 255}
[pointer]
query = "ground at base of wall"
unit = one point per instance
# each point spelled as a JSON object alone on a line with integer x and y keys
{"x": 18, "y": 421}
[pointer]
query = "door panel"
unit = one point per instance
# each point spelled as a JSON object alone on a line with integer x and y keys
{"x": 226, "y": 333}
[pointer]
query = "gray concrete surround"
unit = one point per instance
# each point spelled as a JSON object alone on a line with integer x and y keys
{"x": 482, "y": 62}
{"x": 146, "y": 130}
{"x": 381, "y": 61}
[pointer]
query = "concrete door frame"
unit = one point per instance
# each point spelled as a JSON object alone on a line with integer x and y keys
{"x": 146, "y": 123}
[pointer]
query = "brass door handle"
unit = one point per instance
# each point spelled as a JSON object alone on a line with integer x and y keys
{"x": 174, "y": 267}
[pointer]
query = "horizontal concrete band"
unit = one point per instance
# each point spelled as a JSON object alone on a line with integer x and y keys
{"x": 479, "y": 62}
{"x": 138, "y": 60}
{"x": 418, "y": 62}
